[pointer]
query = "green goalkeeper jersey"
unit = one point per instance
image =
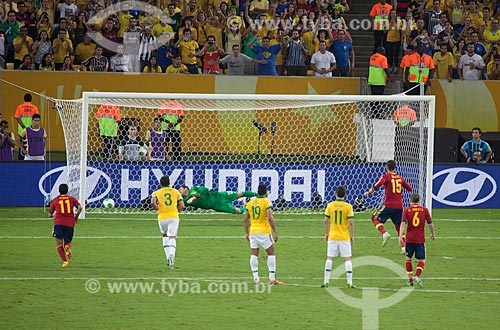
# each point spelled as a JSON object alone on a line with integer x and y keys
{"x": 212, "y": 200}
{"x": 206, "y": 199}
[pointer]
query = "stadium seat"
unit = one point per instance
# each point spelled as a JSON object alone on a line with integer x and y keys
{"x": 10, "y": 66}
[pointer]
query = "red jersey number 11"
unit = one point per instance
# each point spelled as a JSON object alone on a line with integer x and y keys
{"x": 68, "y": 206}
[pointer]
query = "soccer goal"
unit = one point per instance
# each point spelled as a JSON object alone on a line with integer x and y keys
{"x": 301, "y": 146}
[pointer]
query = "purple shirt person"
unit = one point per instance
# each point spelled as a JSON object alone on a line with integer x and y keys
{"x": 36, "y": 138}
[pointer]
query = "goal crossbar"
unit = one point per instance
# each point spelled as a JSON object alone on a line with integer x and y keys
{"x": 262, "y": 101}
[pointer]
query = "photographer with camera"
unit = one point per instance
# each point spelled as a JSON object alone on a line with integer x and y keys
{"x": 488, "y": 56}
{"x": 476, "y": 151}
{"x": 425, "y": 41}
{"x": 494, "y": 68}
{"x": 476, "y": 158}
{"x": 211, "y": 54}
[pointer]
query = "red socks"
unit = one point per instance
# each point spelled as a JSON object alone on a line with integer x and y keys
{"x": 61, "y": 252}
{"x": 409, "y": 269}
{"x": 379, "y": 225}
{"x": 420, "y": 268}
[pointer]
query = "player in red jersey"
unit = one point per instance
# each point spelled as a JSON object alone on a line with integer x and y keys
{"x": 393, "y": 203}
{"x": 63, "y": 207}
{"x": 415, "y": 216}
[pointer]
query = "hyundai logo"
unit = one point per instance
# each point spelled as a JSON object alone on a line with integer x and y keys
{"x": 463, "y": 186}
{"x": 98, "y": 183}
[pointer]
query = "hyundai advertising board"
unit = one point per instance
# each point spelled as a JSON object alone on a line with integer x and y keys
{"x": 28, "y": 183}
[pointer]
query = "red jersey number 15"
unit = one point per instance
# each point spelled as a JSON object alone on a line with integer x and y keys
{"x": 396, "y": 186}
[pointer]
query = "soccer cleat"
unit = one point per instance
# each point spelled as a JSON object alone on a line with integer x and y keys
{"x": 351, "y": 286}
{"x": 171, "y": 262}
{"x": 275, "y": 282}
{"x": 68, "y": 252}
{"x": 419, "y": 281}
{"x": 326, "y": 285}
{"x": 256, "y": 281}
{"x": 385, "y": 238}
{"x": 65, "y": 264}
{"x": 409, "y": 283}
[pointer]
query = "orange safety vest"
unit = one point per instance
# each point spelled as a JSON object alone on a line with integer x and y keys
{"x": 171, "y": 111}
{"x": 404, "y": 115}
{"x": 419, "y": 67}
{"x": 380, "y": 14}
{"x": 376, "y": 74}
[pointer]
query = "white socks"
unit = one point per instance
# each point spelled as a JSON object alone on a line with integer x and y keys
{"x": 254, "y": 264}
{"x": 166, "y": 246}
{"x": 348, "y": 271}
{"x": 173, "y": 247}
{"x": 271, "y": 264}
{"x": 169, "y": 245}
{"x": 328, "y": 269}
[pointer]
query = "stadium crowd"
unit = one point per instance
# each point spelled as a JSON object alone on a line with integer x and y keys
{"x": 172, "y": 36}
{"x": 459, "y": 38}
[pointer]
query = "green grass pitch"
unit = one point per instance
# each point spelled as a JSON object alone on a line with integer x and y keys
{"x": 462, "y": 275}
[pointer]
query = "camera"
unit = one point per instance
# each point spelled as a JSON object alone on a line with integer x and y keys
{"x": 476, "y": 158}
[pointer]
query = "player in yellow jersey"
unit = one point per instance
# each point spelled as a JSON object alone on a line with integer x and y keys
{"x": 168, "y": 202}
{"x": 259, "y": 224}
{"x": 339, "y": 233}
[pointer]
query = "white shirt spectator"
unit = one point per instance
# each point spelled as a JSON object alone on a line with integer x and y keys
{"x": 464, "y": 64}
{"x": 437, "y": 30}
{"x": 67, "y": 10}
{"x": 323, "y": 61}
{"x": 120, "y": 63}
{"x": 235, "y": 65}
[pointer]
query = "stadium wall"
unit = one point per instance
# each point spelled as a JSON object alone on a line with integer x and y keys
{"x": 70, "y": 85}
{"x": 454, "y": 186}
{"x": 459, "y": 104}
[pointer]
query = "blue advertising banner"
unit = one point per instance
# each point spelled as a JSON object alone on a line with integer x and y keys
{"x": 466, "y": 186}
{"x": 30, "y": 183}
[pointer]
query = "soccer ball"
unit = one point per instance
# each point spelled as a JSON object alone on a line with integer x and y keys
{"x": 143, "y": 150}
{"x": 108, "y": 203}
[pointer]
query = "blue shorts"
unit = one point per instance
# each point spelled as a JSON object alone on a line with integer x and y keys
{"x": 63, "y": 232}
{"x": 385, "y": 213}
{"x": 417, "y": 249}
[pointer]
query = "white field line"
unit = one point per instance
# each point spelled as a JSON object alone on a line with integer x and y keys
{"x": 237, "y": 237}
{"x": 238, "y": 279}
{"x": 187, "y": 219}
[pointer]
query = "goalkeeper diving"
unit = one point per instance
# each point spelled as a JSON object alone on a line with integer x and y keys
{"x": 221, "y": 201}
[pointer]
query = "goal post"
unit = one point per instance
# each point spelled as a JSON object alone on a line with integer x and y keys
{"x": 301, "y": 146}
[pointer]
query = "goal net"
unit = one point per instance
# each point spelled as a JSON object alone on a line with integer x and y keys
{"x": 302, "y": 147}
